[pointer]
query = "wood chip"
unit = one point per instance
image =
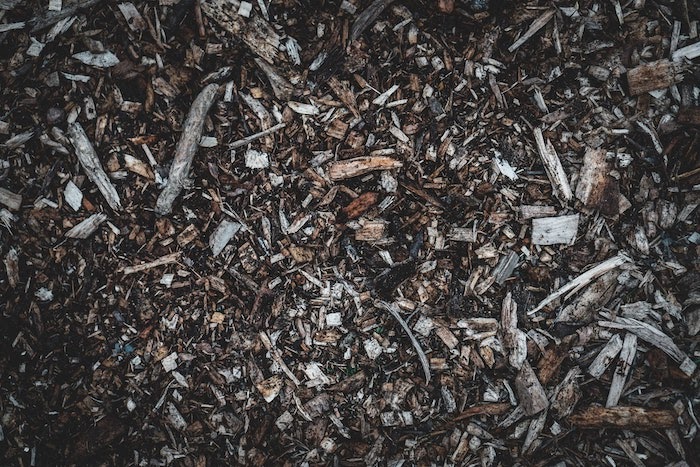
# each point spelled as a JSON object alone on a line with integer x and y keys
{"x": 92, "y": 166}
{"x": 555, "y": 230}
{"x": 552, "y": 165}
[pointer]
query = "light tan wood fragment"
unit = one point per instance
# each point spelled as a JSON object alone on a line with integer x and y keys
{"x": 350, "y": 168}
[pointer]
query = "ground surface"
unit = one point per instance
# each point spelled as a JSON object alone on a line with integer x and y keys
{"x": 270, "y": 328}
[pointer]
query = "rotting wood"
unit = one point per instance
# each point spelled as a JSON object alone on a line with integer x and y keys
{"x": 514, "y": 340}
{"x": 186, "y": 149}
{"x": 256, "y": 33}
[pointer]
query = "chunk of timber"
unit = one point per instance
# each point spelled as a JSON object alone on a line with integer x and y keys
{"x": 624, "y": 417}
{"x": 350, "y": 168}
{"x": 651, "y": 76}
{"x": 186, "y": 149}
{"x": 92, "y": 166}
{"x": 566, "y": 394}
{"x": 530, "y": 391}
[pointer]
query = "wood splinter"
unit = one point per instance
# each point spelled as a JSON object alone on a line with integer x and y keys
{"x": 186, "y": 149}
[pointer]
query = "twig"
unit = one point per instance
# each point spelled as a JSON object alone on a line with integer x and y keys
{"x": 251, "y": 138}
{"x": 391, "y": 308}
{"x": 91, "y": 164}
{"x": 186, "y": 149}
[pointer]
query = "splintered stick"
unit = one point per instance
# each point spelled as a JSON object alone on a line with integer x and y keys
{"x": 186, "y": 149}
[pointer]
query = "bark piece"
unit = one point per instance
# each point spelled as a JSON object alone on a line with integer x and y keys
{"x": 256, "y": 136}
{"x": 222, "y": 235}
{"x": 12, "y": 267}
{"x": 92, "y": 166}
{"x": 596, "y": 295}
{"x": 367, "y": 17}
{"x": 514, "y": 340}
{"x": 623, "y": 417}
{"x": 656, "y": 338}
{"x": 566, "y": 394}
{"x": 282, "y": 88}
{"x": 689, "y": 116}
{"x": 186, "y": 149}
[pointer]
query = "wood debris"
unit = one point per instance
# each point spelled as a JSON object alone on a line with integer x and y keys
{"x": 356, "y": 232}
{"x": 92, "y": 165}
{"x": 186, "y": 149}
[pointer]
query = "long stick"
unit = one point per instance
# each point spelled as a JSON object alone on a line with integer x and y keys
{"x": 186, "y": 149}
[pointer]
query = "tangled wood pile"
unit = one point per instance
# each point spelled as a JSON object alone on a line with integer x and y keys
{"x": 349, "y": 232}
